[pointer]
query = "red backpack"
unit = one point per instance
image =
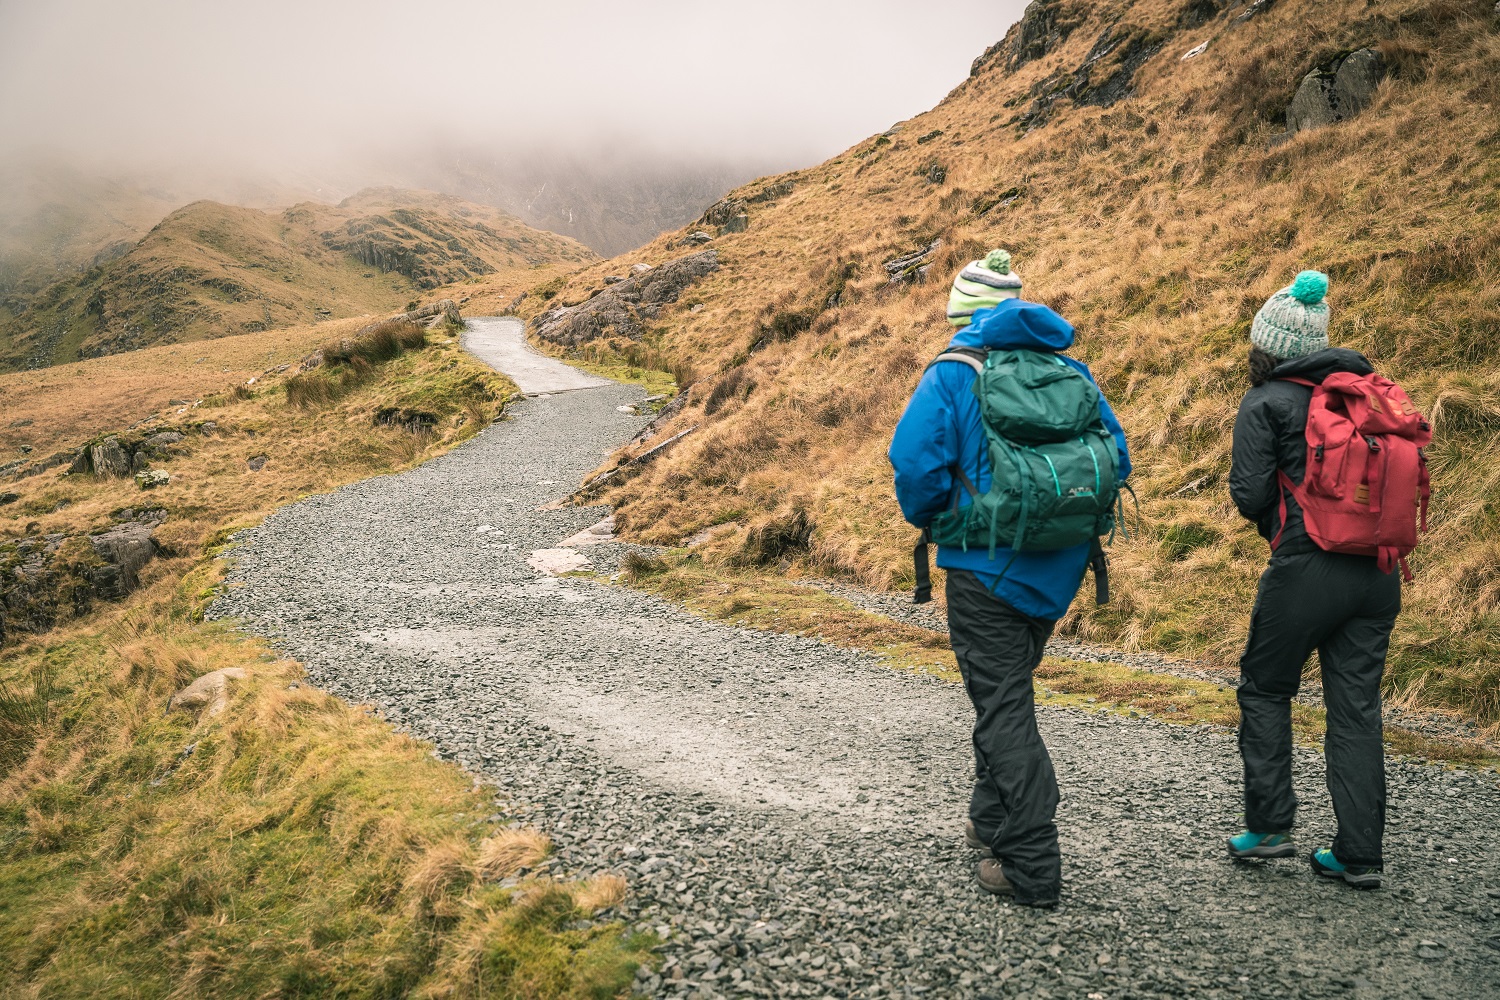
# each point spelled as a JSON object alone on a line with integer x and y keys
{"x": 1366, "y": 487}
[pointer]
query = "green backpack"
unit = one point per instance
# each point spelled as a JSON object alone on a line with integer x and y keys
{"x": 1054, "y": 467}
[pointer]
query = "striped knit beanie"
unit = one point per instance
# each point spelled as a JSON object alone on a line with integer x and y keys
{"x": 1294, "y": 322}
{"x": 984, "y": 283}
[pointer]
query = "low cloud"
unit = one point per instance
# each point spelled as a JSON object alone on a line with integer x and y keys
{"x": 346, "y": 90}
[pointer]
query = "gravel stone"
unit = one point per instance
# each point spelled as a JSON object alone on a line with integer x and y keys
{"x": 789, "y": 814}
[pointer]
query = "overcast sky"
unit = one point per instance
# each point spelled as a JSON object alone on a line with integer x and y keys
{"x": 300, "y": 83}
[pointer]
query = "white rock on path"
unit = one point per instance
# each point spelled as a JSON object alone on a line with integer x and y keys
{"x": 604, "y": 531}
{"x": 556, "y": 562}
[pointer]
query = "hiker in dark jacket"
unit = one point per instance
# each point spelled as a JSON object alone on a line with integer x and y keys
{"x": 1002, "y": 606}
{"x": 1343, "y": 606}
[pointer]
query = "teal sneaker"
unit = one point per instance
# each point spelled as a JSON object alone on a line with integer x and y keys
{"x": 1262, "y": 845}
{"x": 1359, "y": 876}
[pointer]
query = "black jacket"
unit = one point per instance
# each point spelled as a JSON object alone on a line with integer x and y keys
{"x": 1270, "y": 435}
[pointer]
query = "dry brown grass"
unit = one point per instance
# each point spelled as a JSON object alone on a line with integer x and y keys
{"x": 1158, "y": 226}
{"x": 509, "y": 851}
{"x": 603, "y": 892}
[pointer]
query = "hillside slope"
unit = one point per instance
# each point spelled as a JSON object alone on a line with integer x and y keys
{"x": 211, "y": 270}
{"x": 276, "y": 841}
{"x": 1156, "y": 199}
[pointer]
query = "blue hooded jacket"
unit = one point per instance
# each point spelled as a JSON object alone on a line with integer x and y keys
{"x": 941, "y": 429}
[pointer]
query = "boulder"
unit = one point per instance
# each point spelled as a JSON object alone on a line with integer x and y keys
{"x": 739, "y": 224}
{"x": 151, "y": 478}
{"x": 162, "y": 438}
{"x": 697, "y": 238}
{"x": 6, "y": 498}
{"x": 109, "y": 459}
{"x": 125, "y": 550}
{"x": 639, "y": 268}
{"x": 771, "y": 192}
{"x": 256, "y": 463}
{"x": 721, "y": 212}
{"x": 613, "y": 279}
{"x": 623, "y": 308}
{"x": 210, "y": 692}
{"x": 1335, "y": 92}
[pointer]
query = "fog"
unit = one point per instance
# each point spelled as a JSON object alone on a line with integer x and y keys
{"x": 309, "y": 84}
{"x": 662, "y": 104}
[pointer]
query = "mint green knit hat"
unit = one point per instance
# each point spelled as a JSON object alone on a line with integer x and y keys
{"x": 1294, "y": 322}
{"x": 982, "y": 284}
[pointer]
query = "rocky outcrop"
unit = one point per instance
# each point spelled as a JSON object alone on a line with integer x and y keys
{"x": 108, "y": 458}
{"x": 623, "y": 308}
{"x": 44, "y": 579}
{"x": 720, "y": 213}
{"x": 1105, "y": 77}
{"x": 1335, "y": 92}
{"x": 125, "y": 551}
{"x": 1044, "y": 26}
{"x": 912, "y": 266}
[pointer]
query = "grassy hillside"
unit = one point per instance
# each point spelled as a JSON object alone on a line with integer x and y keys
{"x": 1153, "y": 201}
{"x": 211, "y": 270}
{"x": 289, "y": 845}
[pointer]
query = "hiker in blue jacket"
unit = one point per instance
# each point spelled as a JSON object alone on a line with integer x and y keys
{"x": 1002, "y": 606}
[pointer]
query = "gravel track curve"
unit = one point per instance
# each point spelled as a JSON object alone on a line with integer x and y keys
{"x": 788, "y": 813}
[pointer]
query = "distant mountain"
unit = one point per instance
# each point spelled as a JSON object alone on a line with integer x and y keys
{"x": 212, "y": 270}
{"x": 610, "y": 203}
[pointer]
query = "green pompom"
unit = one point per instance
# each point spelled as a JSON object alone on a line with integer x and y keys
{"x": 998, "y": 261}
{"x": 1310, "y": 287}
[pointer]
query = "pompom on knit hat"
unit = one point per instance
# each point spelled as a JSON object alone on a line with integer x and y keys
{"x": 981, "y": 285}
{"x": 1294, "y": 322}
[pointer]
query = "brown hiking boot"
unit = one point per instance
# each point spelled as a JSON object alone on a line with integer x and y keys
{"x": 992, "y": 879}
{"x": 971, "y": 837}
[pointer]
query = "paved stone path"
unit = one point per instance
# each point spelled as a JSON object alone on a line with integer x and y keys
{"x": 788, "y": 813}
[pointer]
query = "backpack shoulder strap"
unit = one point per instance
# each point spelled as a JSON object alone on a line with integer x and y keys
{"x": 972, "y": 356}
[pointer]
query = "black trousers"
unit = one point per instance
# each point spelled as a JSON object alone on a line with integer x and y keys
{"x": 1343, "y": 607}
{"x": 1015, "y": 790}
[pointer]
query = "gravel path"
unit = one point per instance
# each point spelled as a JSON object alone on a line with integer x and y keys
{"x": 500, "y": 342}
{"x": 787, "y": 813}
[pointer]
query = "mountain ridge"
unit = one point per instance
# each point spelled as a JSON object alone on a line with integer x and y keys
{"x": 210, "y": 269}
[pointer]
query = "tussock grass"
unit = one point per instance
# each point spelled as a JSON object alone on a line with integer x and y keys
{"x": 292, "y": 845}
{"x": 349, "y": 362}
{"x": 509, "y": 851}
{"x": 1158, "y": 226}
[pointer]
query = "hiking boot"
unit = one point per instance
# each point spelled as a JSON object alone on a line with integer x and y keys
{"x": 1249, "y": 845}
{"x": 971, "y": 837}
{"x": 992, "y": 879}
{"x": 1359, "y": 876}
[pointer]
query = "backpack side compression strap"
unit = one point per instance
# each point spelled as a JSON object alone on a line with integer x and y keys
{"x": 1099, "y": 563}
{"x": 923, "y": 592}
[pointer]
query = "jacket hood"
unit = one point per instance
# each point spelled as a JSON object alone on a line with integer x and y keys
{"x": 1321, "y": 364}
{"x": 1015, "y": 324}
